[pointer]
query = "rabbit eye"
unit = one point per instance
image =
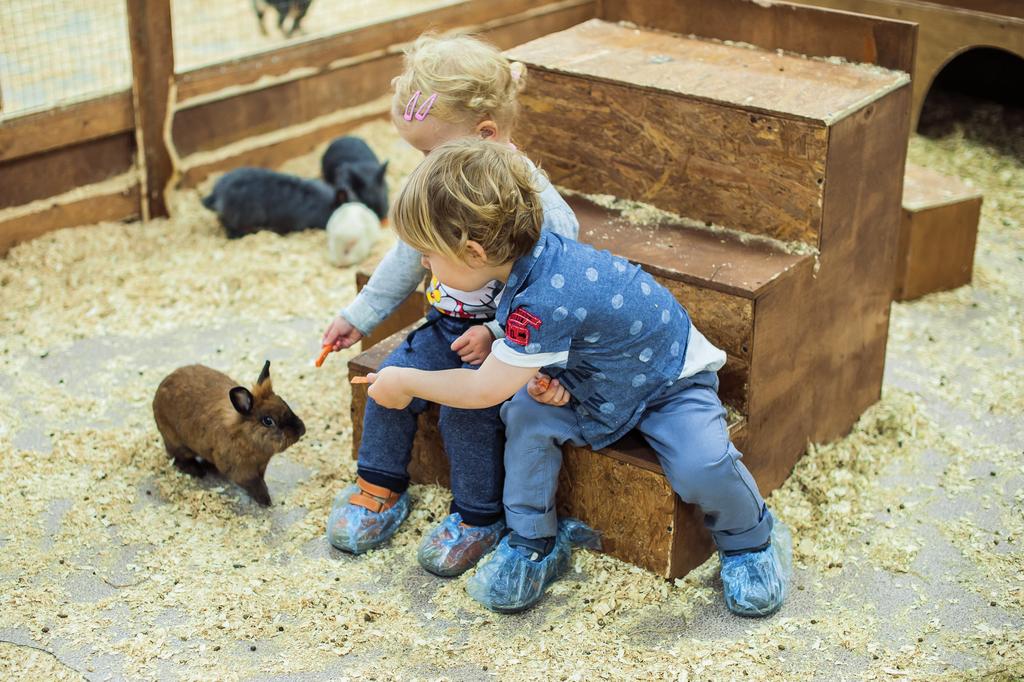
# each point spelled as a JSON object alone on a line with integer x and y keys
{"x": 267, "y": 421}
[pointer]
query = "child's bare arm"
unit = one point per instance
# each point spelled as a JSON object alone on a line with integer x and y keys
{"x": 469, "y": 389}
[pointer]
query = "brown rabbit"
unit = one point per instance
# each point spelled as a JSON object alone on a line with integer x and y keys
{"x": 203, "y": 413}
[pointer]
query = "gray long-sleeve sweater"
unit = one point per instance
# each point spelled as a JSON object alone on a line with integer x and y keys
{"x": 401, "y": 271}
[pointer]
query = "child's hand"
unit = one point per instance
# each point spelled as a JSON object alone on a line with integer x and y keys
{"x": 340, "y": 334}
{"x": 474, "y": 345}
{"x": 387, "y": 390}
{"x": 544, "y": 389}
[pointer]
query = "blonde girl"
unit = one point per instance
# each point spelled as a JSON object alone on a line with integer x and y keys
{"x": 452, "y": 87}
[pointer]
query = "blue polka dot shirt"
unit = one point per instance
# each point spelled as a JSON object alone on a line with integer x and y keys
{"x": 611, "y": 334}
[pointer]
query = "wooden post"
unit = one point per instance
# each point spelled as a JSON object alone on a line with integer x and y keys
{"x": 152, "y": 46}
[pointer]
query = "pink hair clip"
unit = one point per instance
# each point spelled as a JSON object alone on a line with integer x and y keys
{"x": 424, "y": 109}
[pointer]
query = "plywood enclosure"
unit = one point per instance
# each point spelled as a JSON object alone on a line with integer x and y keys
{"x": 818, "y": 337}
{"x": 703, "y": 129}
{"x": 778, "y": 25}
{"x": 946, "y": 29}
{"x": 938, "y": 233}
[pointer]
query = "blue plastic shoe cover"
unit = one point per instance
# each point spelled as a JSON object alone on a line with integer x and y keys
{"x": 508, "y": 582}
{"x": 756, "y": 584}
{"x": 356, "y": 529}
{"x": 453, "y": 548}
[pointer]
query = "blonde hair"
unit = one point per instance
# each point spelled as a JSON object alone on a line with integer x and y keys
{"x": 471, "y": 78}
{"x": 470, "y": 190}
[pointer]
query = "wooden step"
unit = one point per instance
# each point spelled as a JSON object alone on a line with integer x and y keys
{"x": 656, "y": 530}
{"x": 715, "y": 132}
{"x": 718, "y": 277}
{"x": 938, "y": 234}
{"x": 733, "y": 135}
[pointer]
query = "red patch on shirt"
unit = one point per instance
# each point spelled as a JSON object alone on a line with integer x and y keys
{"x": 517, "y": 328}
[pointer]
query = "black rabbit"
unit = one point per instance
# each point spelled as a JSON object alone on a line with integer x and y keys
{"x": 352, "y": 169}
{"x": 251, "y": 199}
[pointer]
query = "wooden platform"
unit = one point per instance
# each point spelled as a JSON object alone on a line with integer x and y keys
{"x": 947, "y": 28}
{"x": 829, "y": 178}
{"x": 745, "y": 146}
{"x": 764, "y": 165}
{"x": 939, "y": 231}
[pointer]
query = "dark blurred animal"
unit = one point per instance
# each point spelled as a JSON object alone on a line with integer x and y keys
{"x": 352, "y": 169}
{"x": 293, "y": 9}
{"x": 251, "y": 199}
{"x": 203, "y": 414}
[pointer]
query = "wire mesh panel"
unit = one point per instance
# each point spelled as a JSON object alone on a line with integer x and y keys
{"x": 207, "y": 32}
{"x": 54, "y": 52}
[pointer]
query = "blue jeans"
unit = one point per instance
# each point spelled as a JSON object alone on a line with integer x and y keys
{"x": 473, "y": 439}
{"x": 686, "y": 428}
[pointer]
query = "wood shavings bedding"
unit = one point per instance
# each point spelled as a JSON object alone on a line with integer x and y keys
{"x": 110, "y": 552}
{"x": 17, "y": 659}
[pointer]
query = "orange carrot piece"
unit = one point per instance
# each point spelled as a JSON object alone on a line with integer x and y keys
{"x": 323, "y": 355}
{"x": 544, "y": 383}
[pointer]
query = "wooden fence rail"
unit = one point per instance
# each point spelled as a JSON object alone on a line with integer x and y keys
{"x": 152, "y": 44}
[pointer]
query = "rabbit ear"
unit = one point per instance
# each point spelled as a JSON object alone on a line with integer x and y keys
{"x": 382, "y": 171}
{"x": 241, "y": 398}
{"x": 265, "y": 373}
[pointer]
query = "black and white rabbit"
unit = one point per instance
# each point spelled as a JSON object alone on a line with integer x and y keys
{"x": 294, "y": 9}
